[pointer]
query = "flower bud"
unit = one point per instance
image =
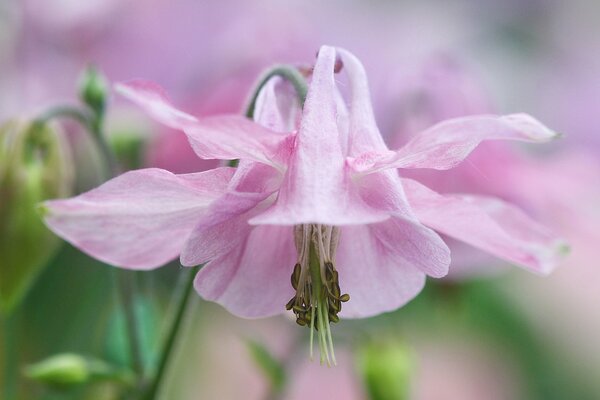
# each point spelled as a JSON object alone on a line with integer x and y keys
{"x": 386, "y": 370}
{"x": 35, "y": 165}
{"x": 93, "y": 90}
{"x": 67, "y": 369}
{"x": 60, "y": 370}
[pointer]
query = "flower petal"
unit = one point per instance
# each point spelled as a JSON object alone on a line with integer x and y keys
{"x": 139, "y": 220}
{"x": 153, "y": 99}
{"x": 225, "y": 225}
{"x": 222, "y": 137}
{"x": 373, "y": 277}
{"x": 277, "y": 106}
{"x": 317, "y": 187}
{"x": 488, "y": 224}
{"x": 253, "y": 279}
{"x": 448, "y": 143}
{"x": 411, "y": 243}
{"x": 365, "y": 135}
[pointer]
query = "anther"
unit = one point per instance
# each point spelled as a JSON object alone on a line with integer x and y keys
{"x": 290, "y": 303}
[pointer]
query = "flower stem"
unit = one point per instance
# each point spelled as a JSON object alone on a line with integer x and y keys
{"x": 93, "y": 124}
{"x": 127, "y": 289}
{"x": 171, "y": 339}
{"x": 287, "y": 72}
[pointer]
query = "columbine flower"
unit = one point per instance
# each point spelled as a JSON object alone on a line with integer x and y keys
{"x": 323, "y": 204}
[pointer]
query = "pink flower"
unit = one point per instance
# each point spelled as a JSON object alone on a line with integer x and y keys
{"x": 323, "y": 204}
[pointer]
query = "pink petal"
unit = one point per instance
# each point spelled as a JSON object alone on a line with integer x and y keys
{"x": 403, "y": 234}
{"x": 365, "y": 135}
{"x": 139, "y": 220}
{"x": 410, "y": 243}
{"x": 222, "y": 137}
{"x": 373, "y": 277}
{"x": 253, "y": 279}
{"x": 153, "y": 99}
{"x": 225, "y": 225}
{"x": 317, "y": 187}
{"x": 488, "y": 224}
{"x": 277, "y": 106}
{"x": 448, "y": 143}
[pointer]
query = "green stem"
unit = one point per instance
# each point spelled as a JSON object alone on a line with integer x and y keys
{"x": 127, "y": 289}
{"x": 287, "y": 72}
{"x": 92, "y": 123}
{"x": 70, "y": 112}
{"x": 171, "y": 339}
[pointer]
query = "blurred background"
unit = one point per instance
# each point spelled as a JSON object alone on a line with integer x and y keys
{"x": 488, "y": 331}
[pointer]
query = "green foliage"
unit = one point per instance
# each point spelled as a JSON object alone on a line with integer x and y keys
{"x": 386, "y": 369}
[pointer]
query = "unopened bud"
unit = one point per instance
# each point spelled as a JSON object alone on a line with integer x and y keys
{"x": 60, "y": 370}
{"x": 93, "y": 89}
{"x": 67, "y": 370}
{"x": 35, "y": 165}
{"x": 386, "y": 370}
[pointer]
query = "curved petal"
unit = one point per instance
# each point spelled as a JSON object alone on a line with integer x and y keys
{"x": 448, "y": 143}
{"x": 364, "y": 134}
{"x": 252, "y": 280}
{"x": 221, "y": 137}
{"x": 403, "y": 233}
{"x": 154, "y": 100}
{"x": 411, "y": 243}
{"x": 277, "y": 106}
{"x": 225, "y": 226}
{"x": 139, "y": 220}
{"x": 317, "y": 187}
{"x": 371, "y": 274}
{"x": 488, "y": 224}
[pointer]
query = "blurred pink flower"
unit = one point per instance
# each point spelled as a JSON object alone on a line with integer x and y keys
{"x": 542, "y": 184}
{"x": 330, "y": 188}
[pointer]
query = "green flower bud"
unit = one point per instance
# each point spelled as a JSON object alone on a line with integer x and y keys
{"x": 66, "y": 370}
{"x": 60, "y": 370}
{"x": 93, "y": 90}
{"x": 35, "y": 165}
{"x": 386, "y": 370}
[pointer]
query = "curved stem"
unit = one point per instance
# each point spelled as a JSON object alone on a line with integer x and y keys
{"x": 287, "y": 72}
{"x": 67, "y": 111}
{"x": 91, "y": 122}
{"x": 171, "y": 339}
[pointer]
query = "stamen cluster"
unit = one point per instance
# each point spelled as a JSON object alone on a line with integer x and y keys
{"x": 318, "y": 298}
